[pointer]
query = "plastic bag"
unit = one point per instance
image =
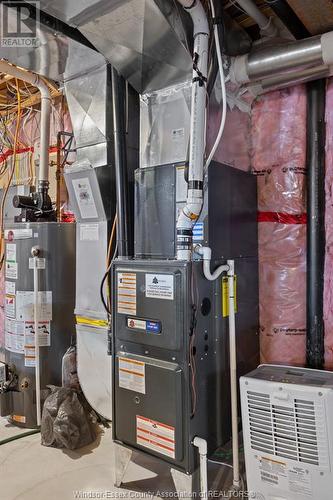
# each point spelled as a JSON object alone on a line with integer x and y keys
{"x": 66, "y": 422}
{"x": 70, "y": 377}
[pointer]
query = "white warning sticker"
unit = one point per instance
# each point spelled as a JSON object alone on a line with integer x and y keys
{"x": 89, "y": 232}
{"x": 14, "y": 336}
{"x": 300, "y": 481}
{"x": 10, "y": 287}
{"x": 159, "y": 286}
{"x": 289, "y": 478}
{"x": 25, "y": 306}
{"x": 10, "y": 311}
{"x": 155, "y": 436}
{"x": 11, "y": 252}
{"x": 18, "y": 234}
{"x": 85, "y": 198}
{"x": 44, "y": 333}
{"x": 41, "y": 263}
{"x": 11, "y": 270}
{"x": 132, "y": 375}
{"x": 126, "y": 293}
{"x": 44, "y": 340}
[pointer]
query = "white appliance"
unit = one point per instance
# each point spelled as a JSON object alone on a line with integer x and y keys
{"x": 287, "y": 416}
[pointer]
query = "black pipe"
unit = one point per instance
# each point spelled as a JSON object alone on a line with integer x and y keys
{"x": 120, "y": 160}
{"x": 289, "y": 18}
{"x": 316, "y": 92}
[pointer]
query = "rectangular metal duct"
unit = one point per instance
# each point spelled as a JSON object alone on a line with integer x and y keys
{"x": 89, "y": 101}
{"x": 55, "y": 55}
{"x": 145, "y": 40}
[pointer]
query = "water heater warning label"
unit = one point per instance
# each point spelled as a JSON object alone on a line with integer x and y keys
{"x": 155, "y": 436}
{"x": 132, "y": 375}
{"x": 159, "y": 286}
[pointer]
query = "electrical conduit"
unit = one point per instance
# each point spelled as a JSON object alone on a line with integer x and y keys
{"x": 190, "y": 213}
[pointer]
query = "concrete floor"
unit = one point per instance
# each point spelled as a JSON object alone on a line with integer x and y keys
{"x": 29, "y": 471}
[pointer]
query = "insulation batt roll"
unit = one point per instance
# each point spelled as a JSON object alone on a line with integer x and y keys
{"x": 282, "y": 289}
{"x": 2, "y": 315}
{"x": 234, "y": 146}
{"x": 328, "y": 274}
{"x": 278, "y": 155}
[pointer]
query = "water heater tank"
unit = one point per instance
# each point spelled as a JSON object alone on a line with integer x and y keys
{"x": 56, "y": 273}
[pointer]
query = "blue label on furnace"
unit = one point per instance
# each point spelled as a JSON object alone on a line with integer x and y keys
{"x": 198, "y": 231}
{"x": 153, "y": 327}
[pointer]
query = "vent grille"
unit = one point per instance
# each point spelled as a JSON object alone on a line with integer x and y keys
{"x": 286, "y": 431}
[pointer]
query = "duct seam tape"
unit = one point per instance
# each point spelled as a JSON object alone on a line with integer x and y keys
{"x": 326, "y": 46}
{"x": 238, "y": 71}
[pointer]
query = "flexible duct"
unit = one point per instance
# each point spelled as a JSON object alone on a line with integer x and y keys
{"x": 36, "y": 81}
{"x": 269, "y": 61}
{"x": 190, "y": 213}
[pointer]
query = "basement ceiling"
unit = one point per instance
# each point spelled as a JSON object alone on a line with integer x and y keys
{"x": 316, "y": 15}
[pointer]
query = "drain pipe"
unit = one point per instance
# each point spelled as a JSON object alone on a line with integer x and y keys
{"x": 233, "y": 374}
{"x": 190, "y": 213}
{"x": 120, "y": 161}
{"x": 201, "y": 444}
{"x": 266, "y": 25}
{"x": 37, "y": 81}
{"x": 316, "y": 222}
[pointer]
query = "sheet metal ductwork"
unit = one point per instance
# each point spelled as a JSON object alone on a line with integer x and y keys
{"x": 144, "y": 40}
{"x": 89, "y": 102}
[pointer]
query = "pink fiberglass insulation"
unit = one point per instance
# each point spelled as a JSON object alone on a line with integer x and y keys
{"x": 278, "y": 159}
{"x": 234, "y": 147}
{"x": 328, "y": 275}
{"x": 2, "y": 315}
{"x": 282, "y": 285}
{"x": 279, "y": 150}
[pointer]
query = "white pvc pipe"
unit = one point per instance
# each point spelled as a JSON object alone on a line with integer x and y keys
{"x": 266, "y": 26}
{"x": 223, "y": 88}
{"x": 36, "y": 81}
{"x": 36, "y": 322}
{"x": 190, "y": 213}
{"x": 201, "y": 444}
{"x": 206, "y": 254}
{"x": 233, "y": 374}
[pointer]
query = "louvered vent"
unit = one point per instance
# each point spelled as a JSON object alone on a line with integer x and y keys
{"x": 284, "y": 431}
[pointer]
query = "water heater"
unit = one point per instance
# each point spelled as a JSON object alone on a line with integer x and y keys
{"x": 56, "y": 326}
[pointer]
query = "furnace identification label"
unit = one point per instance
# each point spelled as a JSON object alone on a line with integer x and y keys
{"x": 132, "y": 375}
{"x": 159, "y": 286}
{"x": 155, "y": 436}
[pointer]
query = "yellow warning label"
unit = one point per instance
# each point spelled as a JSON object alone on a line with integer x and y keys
{"x": 225, "y": 296}
{"x": 81, "y": 320}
